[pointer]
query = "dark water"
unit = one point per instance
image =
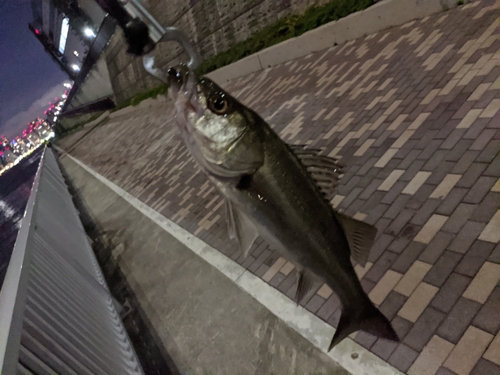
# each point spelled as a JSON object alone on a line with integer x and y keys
{"x": 15, "y": 189}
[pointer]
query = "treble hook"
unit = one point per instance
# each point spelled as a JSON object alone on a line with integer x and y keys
{"x": 176, "y": 35}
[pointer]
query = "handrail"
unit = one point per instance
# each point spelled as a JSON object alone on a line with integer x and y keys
{"x": 56, "y": 311}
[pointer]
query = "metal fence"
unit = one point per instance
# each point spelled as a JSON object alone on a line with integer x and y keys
{"x": 56, "y": 312}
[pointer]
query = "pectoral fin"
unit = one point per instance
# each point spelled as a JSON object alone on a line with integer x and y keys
{"x": 360, "y": 237}
{"x": 240, "y": 227}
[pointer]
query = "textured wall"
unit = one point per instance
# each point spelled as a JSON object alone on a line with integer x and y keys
{"x": 214, "y": 25}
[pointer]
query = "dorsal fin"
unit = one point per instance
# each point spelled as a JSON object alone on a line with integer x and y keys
{"x": 324, "y": 170}
{"x": 359, "y": 235}
{"x": 240, "y": 227}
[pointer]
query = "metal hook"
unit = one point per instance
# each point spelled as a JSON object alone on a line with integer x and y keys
{"x": 176, "y": 35}
{"x": 160, "y": 34}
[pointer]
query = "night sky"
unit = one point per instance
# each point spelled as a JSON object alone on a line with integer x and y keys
{"x": 29, "y": 79}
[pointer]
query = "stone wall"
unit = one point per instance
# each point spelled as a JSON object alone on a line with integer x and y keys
{"x": 213, "y": 25}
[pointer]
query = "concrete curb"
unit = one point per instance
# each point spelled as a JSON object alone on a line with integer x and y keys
{"x": 147, "y": 103}
{"x": 309, "y": 326}
{"x": 383, "y": 15}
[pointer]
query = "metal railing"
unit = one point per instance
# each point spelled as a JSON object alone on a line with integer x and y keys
{"x": 56, "y": 312}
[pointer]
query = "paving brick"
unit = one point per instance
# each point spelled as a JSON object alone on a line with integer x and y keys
{"x": 450, "y": 292}
{"x": 412, "y": 278}
{"x": 458, "y": 150}
{"x": 384, "y": 287}
{"x": 432, "y": 357}
{"x": 287, "y": 268}
{"x": 409, "y": 159}
{"x": 444, "y": 371}
{"x": 424, "y": 328}
{"x": 488, "y": 318}
{"x": 435, "y": 160}
{"x": 383, "y": 348}
{"x": 367, "y": 285}
{"x": 491, "y": 353}
{"x": 382, "y": 225}
{"x": 459, "y": 217}
{"x": 288, "y": 282}
{"x": 494, "y": 168}
{"x": 277, "y": 280}
{"x": 452, "y": 139}
{"x": 484, "y": 282}
{"x": 458, "y": 320}
{"x": 476, "y": 129}
{"x": 361, "y": 271}
{"x": 465, "y": 162}
{"x": 420, "y": 197}
{"x": 475, "y": 258}
{"x": 261, "y": 270}
{"x": 418, "y": 301}
{"x": 449, "y": 204}
{"x": 273, "y": 270}
{"x": 469, "y": 233}
{"x": 491, "y": 232}
{"x": 365, "y": 339}
{"x": 483, "y": 139}
{"x": 489, "y": 152}
{"x": 389, "y": 182}
{"x": 443, "y": 268}
{"x": 412, "y": 171}
{"x": 315, "y": 303}
{"x": 350, "y": 197}
{"x": 482, "y": 186}
{"x": 471, "y": 175}
{"x": 407, "y": 257}
{"x": 396, "y": 207}
{"x": 329, "y": 307}
{"x": 436, "y": 247}
{"x": 495, "y": 255}
{"x": 403, "y": 357}
{"x": 400, "y": 222}
{"x": 381, "y": 266}
{"x": 380, "y": 246}
{"x": 393, "y": 192}
{"x": 401, "y": 326}
{"x": 392, "y": 304}
{"x": 485, "y": 367}
{"x": 468, "y": 351}
{"x": 430, "y": 228}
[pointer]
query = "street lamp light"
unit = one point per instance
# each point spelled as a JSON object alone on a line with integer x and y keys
{"x": 89, "y": 32}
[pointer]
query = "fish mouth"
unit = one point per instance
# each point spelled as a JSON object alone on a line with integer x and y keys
{"x": 182, "y": 84}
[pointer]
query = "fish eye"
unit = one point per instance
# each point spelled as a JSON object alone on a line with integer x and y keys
{"x": 219, "y": 105}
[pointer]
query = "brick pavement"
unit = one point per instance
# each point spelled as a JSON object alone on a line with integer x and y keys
{"x": 414, "y": 113}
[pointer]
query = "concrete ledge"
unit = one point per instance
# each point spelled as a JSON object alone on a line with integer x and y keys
{"x": 383, "y": 15}
{"x": 223, "y": 318}
{"x": 147, "y": 103}
{"x": 240, "y": 68}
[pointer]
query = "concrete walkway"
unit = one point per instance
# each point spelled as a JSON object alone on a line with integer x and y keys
{"x": 206, "y": 322}
{"x": 414, "y": 113}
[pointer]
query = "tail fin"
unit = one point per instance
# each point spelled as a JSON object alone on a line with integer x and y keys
{"x": 370, "y": 320}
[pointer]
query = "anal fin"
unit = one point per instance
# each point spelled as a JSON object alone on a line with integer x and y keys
{"x": 304, "y": 284}
{"x": 359, "y": 235}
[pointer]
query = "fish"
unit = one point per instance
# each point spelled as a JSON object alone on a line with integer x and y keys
{"x": 280, "y": 192}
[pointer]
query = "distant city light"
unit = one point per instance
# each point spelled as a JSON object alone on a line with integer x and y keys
{"x": 89, "y": 32}
{"x": 67, "y": 85}
{"x": 75, "y": 67}
{"x": 37, "y": 31}
{"x": 76, "y": 53}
